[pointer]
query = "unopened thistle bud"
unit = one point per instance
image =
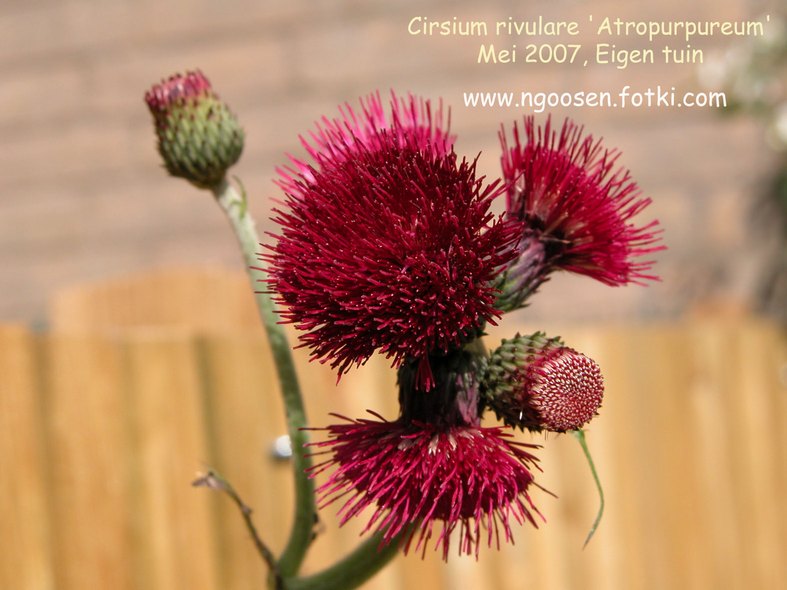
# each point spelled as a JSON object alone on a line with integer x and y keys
{"x": 537, "y": 383}
{"x": 198, "y": 137}
{"x": 523, "y": 275}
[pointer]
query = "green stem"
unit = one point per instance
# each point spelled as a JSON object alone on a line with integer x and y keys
{"x": 301, "y": 534}
{"x": 580, "y": 436}
{"x": 351, "y": 571}
{"x": 368, "y": 558}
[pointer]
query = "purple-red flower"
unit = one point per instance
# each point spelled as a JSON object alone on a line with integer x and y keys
{"x": 389, "y": 246}
{"x": 415, "y": 475}
{"x": 577, "y": 206}
{"x": 411, "y": 120}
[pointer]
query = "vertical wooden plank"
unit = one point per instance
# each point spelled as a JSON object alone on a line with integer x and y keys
{"x": 683, "y": 528}
{"x": 246, "y": 414}
{"x": 463, "y": 571}
{"x": 88, "y": 459}
{"x": 625, "y": 473}
{"x": 652, "y": 429}
{"x": 492, "y": 562}
{"x": 550, "y": 541}
{"x": 675, "y": 529}
{"x": 413, "y": 572}
{"x": 711, "y": 391}
{"x": 518, "y": 562}
{"x": 174, "y": 524}
{"x": 758, "y": 425}
{"x": 777, "y": 353}
{"x": 25, "y": 558}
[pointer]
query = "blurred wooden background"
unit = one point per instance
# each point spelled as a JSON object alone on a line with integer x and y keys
{"x": 141, "y": 383}
{"x": 84, "y": 197}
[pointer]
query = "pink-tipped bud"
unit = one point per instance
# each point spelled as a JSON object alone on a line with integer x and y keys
{"x": 537, "y": 383}
{"x": 198, "y": 136}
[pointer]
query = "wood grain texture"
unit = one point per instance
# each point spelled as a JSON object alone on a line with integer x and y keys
{"x": 103, "y": 428}
{"x": 25, "y": 559}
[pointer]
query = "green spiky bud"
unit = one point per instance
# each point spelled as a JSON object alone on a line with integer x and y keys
{"x": 538, "y": 383}
{"x": 198, "y": 136}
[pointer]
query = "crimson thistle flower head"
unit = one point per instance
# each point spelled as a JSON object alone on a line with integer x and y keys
{"x": 418, "y": 475}
{"x": 389, "y": 247}
{"x": 198, "y": 137}
{"x": 537, "y": 383}
{"x": 577, "y": 207}
{"x": 411, "y": 120}
{"x": 434, "y": 466}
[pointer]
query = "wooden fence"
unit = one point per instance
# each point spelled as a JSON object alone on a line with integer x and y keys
{"x": 107, "y": 417}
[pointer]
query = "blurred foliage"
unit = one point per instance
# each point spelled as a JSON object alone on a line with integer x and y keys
{"x": 753, "y": 74}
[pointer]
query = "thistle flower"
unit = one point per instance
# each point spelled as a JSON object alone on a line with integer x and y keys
{"x": 389, "y": 247}
{"x": 198, "y": 137}
{"x": 538, "y": 383}
{"x": 411, "y": 120}
{"x": 434, "y": 464}
{"x": 577, "y": 208}
{"x": 465, "y": 477}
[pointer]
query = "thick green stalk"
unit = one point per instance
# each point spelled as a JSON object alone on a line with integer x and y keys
{"x": 353, "y": 570}
{"x": 234, "y": 205}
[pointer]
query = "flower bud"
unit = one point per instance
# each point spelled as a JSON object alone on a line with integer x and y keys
{"x": 537, "y": 383}
{"x": 198, "y": 137}
{"x": 523, "y": 275}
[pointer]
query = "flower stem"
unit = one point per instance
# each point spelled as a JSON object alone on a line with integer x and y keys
{"x": 214, "y": 481}
{"x": 351, "y": 571}
{"x": 580, "y": 436}
{"x": 234, "y": 205}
